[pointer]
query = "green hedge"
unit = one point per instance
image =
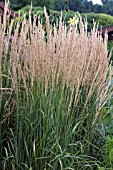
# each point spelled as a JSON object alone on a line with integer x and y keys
{"x": 101, "y": 19}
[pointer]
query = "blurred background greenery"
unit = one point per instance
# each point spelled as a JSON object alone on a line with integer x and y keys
{"x": 75, "y": 5}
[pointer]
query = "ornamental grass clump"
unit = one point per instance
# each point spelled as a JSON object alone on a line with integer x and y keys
{"x": 54, "y": 84}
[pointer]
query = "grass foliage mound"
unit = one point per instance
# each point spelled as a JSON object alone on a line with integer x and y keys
{"x": 55, "y": 107}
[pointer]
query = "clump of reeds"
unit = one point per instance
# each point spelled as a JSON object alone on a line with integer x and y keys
{"x": 81, "y": 58}
{"x": 42, "y": 56}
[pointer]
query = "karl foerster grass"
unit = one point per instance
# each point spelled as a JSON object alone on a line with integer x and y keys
{"x": 54, "y": 84}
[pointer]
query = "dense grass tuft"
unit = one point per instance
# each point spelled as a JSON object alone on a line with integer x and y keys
{"x": 55, "y": 92}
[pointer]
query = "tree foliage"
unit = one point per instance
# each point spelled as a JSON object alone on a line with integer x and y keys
{"x": 82, "y": 6}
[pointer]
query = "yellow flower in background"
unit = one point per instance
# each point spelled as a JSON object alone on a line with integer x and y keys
{"x": 73, "y": 21}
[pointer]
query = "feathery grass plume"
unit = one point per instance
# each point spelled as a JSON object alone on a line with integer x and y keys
{"x": 5, "y": 14}
{"x": 74, "y": 51}
{"x": 81, "y": 59}
{"x": 2, "y": 33}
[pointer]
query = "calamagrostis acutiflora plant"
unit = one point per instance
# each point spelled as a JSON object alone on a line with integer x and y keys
{"x": 81, "y": 57}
